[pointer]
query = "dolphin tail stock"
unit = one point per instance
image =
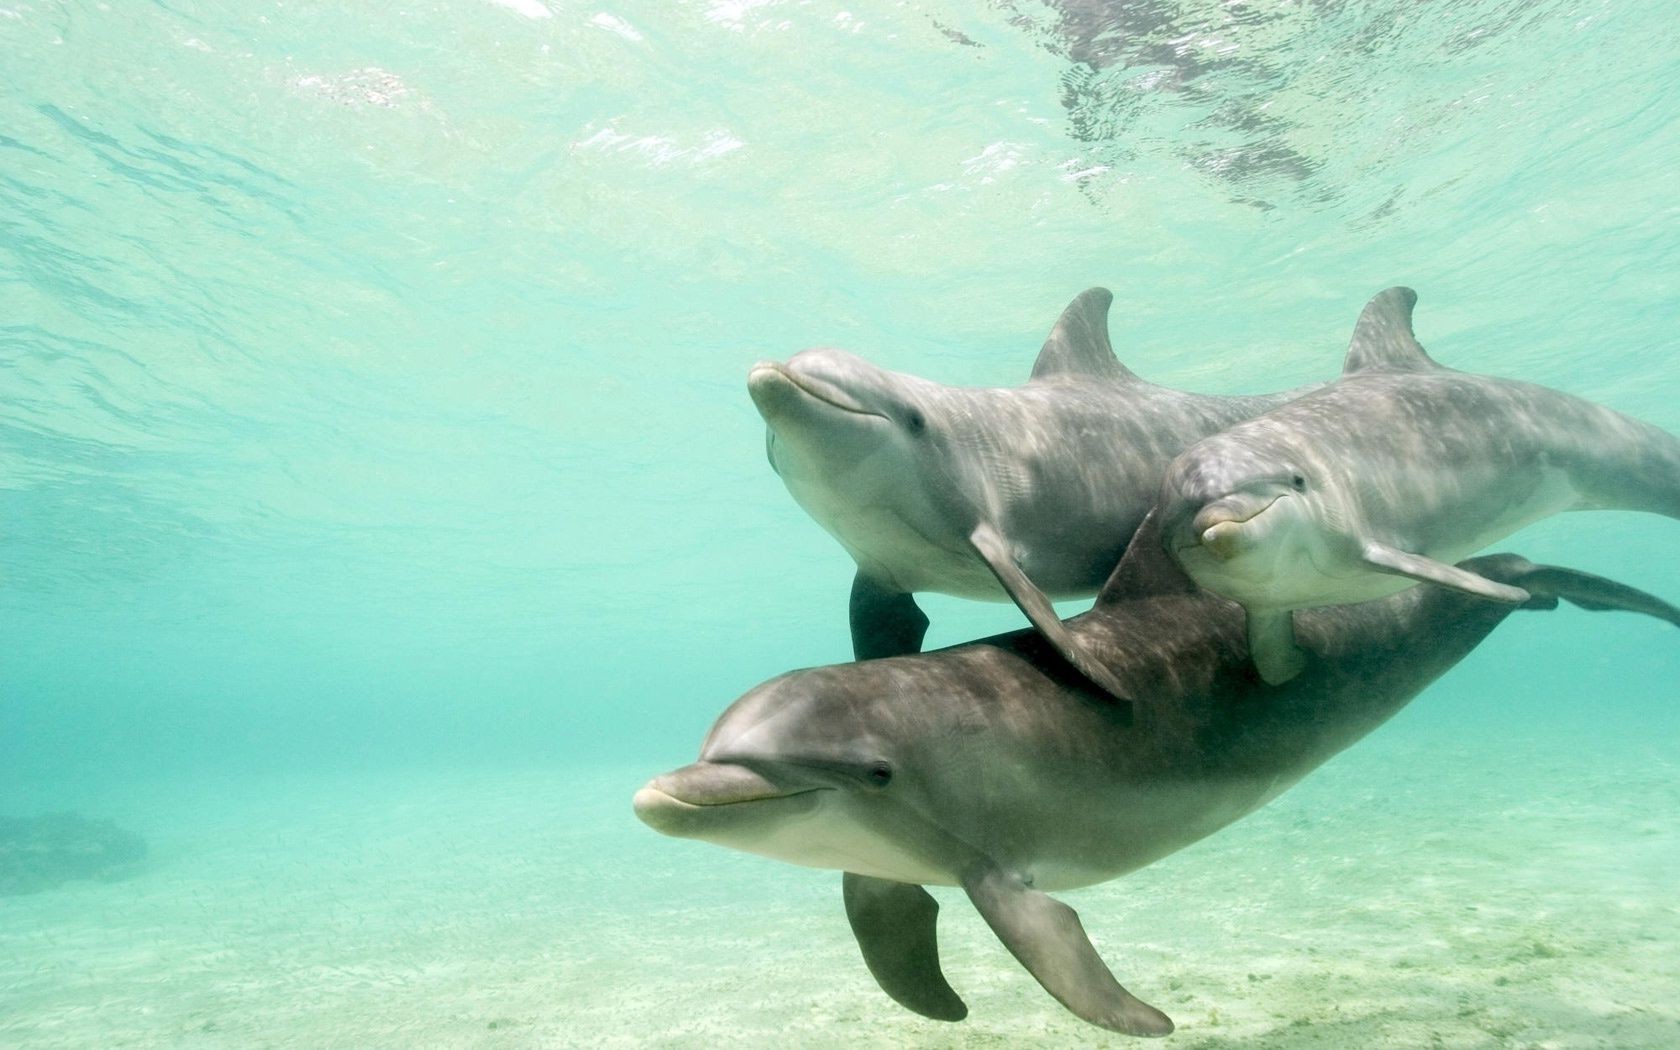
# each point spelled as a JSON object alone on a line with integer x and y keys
{"x": 1549, "y": 583}
{"x": 894, "y": 923}
{"x": 1635, "y": 466}
{"x": 1046, "y": 937}
{"x": 1661, "y": 473}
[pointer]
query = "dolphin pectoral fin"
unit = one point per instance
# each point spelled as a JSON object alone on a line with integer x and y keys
{"x": 1271, "y": 645}
{"x": 884, "y": 622}
{"x": 1046, "y": 937}
{"x": 1388, "y": 559}
{"x": 1030, "y": 600}
{"x": 894, "y": 925}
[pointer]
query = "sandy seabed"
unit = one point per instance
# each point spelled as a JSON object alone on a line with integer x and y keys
{"x": 1508, "y": 893}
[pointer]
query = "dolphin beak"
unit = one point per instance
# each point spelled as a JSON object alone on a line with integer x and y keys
{"x": 687, "y": 802}
{"x": 715, "y": 784}
{"x": 778, "y": 389}
{"x": 1220, "y": 539}
{"x": 771, "y": 390}
{"x": 1218, "y": 527}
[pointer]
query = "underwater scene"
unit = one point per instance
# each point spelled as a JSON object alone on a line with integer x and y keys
{"x": 438, "y": 439}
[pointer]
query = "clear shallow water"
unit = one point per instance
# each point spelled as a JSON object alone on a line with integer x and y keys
{"x": 371, "y": 382}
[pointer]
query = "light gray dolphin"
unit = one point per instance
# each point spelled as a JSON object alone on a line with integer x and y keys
{"x": 1026, "y": 494}
{"x": 995, "y": 767}
{"x": 1388, "y": 476}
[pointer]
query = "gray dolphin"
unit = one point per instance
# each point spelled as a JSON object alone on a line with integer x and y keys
{"x": 1388, "y": 476}
{"x": 995, "y": 767}
{"x": 1026, "y": 494}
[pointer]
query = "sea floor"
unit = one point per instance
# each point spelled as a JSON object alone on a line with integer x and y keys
{"x": 1494, "y": 893}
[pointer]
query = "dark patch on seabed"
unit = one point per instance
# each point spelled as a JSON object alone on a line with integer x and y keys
{"x": 40, "y": 853}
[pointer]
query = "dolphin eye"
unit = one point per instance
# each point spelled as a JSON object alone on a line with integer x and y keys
{"x": 915, "y": 422}
{"x": 1299, "y": 483}
{"x": 879, "y": 774}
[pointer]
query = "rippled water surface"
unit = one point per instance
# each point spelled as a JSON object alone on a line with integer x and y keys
{"x": 372, "y": 376}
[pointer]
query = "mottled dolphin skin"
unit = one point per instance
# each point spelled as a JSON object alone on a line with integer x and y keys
{"x": 1026, "y": 494}
{"x": 995, "y": 767}
{"x": 1388, "y": 476}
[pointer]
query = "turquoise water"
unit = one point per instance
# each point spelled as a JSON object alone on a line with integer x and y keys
{"x": 379, "y": 491}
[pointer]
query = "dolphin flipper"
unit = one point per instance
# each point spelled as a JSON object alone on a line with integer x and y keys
{"x": 1047, "y": 938}
{"x": 994, "y": 550}
{"x": 1384, "y": 558}
{"x": 1271, "y": 645}
{"x": 894, "y": 925}
{"x": 884, "y": 623}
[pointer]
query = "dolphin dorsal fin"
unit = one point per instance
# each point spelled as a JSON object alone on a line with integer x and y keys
{"x": 1079, "y": 345}
{"x": 1146, "y": 569}
{"x": 1383, "y": 337}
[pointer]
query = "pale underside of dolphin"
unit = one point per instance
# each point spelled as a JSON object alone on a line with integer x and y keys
{"x": 995, "y": 767}
{"x": 1388, "y": 476}
{"x": 1025, "y": 494}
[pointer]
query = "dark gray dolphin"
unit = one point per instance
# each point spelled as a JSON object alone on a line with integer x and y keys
{"x": 1025, "y": 494}
{"x": 994, "y": 767}
{"x": 1391, "y": 474}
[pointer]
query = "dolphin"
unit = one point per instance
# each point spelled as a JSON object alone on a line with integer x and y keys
{"x": 1391, "y": 474}
{"x": 1026, "y": 494}
{"x": 995, "y": 767}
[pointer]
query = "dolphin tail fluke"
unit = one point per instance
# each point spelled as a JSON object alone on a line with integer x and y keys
{"x": 1548, "y": 583}
{"x": 894, "y": 923}
{"x": 1045, "y": 935}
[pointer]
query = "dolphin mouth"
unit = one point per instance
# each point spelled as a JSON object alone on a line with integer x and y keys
{"x": 766, "y": 375}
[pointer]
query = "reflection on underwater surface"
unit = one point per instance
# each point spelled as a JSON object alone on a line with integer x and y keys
{"x": 371, "y": 401}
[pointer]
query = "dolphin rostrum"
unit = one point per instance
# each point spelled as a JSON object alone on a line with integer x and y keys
{"x": 1388, "y": 476}
{"x": 994, "y": 767}
{"x": 1026, "y": 494}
